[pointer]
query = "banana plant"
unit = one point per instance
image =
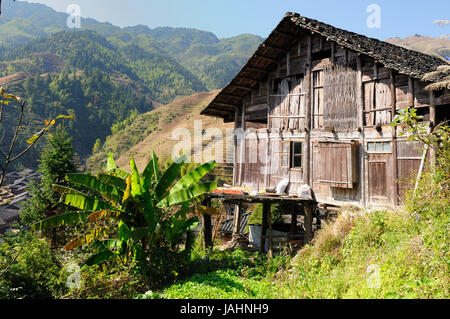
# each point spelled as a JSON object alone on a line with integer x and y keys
{"x": 147, "y": 210}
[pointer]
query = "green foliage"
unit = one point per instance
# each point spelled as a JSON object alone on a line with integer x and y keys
{"x": 36, "y": 274}
{"x": 57, "y": 159}
{"x": 229, "y": 275}
{"x": 91, "y": 96}
{"x": 377, "y": 254}
{"x": 256, "y": 217}
{"x": 143, "y": 214}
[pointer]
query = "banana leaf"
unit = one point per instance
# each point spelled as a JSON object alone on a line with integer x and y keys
{"x": 149, "y": 212}
{"x": 65, "y": 190}
{"x": 167, "y": 179}
{"x": 121, "y": 174}
{"x": 106, "y": 244}
{"x": 103, "y": 214}
{"x": 66, "y": 219}
{"x": 113, "y": 181}
{"x": 124, "y": 232}
{"x": 187, "y": 194}
{"x": 136, "y": 186}
{"x": 147, "y": 175}
{"x": 110, "y": 192}
{"x": 111, "y": 164}
{"x": 88, "y": 238}
{"x": 99, "y": 258}
{"x": 194, "y": 176}
{"x": 155, "y": 166}
{"x": 88, "y": 203}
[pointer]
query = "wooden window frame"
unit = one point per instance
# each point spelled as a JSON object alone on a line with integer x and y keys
{"x": 379, "y": 152}
{"x": 282, "y": 154}
{"x": 293, "y": 155}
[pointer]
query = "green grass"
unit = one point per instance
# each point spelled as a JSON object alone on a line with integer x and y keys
{"x": 376, "y": 255}
{"x": 221, "y": 284}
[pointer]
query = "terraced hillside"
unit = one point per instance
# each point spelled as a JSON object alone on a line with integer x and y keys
{"x": 153, "y": 131}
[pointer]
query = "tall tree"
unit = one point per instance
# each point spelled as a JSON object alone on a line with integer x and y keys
{"x": 57, "y": 159}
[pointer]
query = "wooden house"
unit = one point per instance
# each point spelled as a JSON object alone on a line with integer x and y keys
{"x": 316, "y": 103}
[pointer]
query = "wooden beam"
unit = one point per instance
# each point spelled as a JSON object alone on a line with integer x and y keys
{"x": 242, "y": 87}
{"x": 226, "y": 104}
{"x": 237, "y": 221}
{"x": 236, "y": 126}
{"x": 432, "y": 110}
{"x": 432, "y": 126}
{"x": 288, "y": 64}
{"x": 269, "y": 219}
{"x": 242, "y": 150}
{"x": 308, "y": 223}
{"x": 410, "y": 91}
{"x": 256, "y": 117}
{"x": 257, "y": 69}
{"x": 309, "y": 111}
{"x": 289, "y": 35}
{"x": 217, "y": 112}
{"x": 394, "y": 137}
{"x": 265, "y": 214}
{"x": 207, "y": 226}
{"x": 270, "y": 46}
{"x": 266, "y": 58}
{"x": 233, "y": 95}
{"x": 249, "y": 78}
{"x": 293, "y": 221}
{"x": 360, "y": 107}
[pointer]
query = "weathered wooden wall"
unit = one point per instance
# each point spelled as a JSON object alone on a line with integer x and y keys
{"x": 336, "y": 103}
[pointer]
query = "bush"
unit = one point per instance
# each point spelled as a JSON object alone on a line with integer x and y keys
{"x": 36, "y": 274}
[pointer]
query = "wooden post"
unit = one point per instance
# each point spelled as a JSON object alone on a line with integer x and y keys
{"x": 269, "y": 218}
{"x": 410, "y": 93}
{"x": 394, "y": 139}
{"x": 236, "y": 163}
{"x": 362, "y": 132}
{"x": 308, "y": 222}
{"x": 307, "y": 177}
{"x": 237, "y": 221}
{"x": 207, "y": 226}
{"x": 432, "y": 126}
{"x": 293, "y": 221}
{"x": 242, "y": 151}
{"x": 266, "y": 212}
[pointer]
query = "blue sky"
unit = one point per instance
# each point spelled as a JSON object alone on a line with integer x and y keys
{"x": 227, "y": 18}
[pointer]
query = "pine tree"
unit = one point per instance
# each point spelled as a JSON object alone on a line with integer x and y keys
{"x": 57, "y": 160}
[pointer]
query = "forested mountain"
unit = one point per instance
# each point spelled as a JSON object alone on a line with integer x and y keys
{"x": 213, "y": 61}
{"x": 104, "y": 74}
{"x": 83, "y": 74}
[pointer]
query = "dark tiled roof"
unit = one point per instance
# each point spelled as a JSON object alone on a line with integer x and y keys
{"x": 410, "y": 62}
{"x": 292, "y": 27}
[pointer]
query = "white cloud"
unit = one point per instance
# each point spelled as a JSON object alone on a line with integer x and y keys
{"x": 442, "y": 23}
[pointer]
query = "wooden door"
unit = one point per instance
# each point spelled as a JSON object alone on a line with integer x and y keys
{"x": 380, "y": 179}
{"x": 409, "y": 156}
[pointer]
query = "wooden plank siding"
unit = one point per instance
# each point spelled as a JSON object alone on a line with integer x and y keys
{"x": 334, "y": 101}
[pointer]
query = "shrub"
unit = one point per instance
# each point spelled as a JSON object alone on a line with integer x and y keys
{"x": 36, "y": 274}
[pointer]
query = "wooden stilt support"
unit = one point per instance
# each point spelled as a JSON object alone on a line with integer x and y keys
{"x": 308, "y": 222}
{"x": 293, "y": 222}
{"x": 266, "y": 212}
{"x": 237, "y": 221}
{"x": 207, "y": 227}
{"x": 269, "y": 219}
